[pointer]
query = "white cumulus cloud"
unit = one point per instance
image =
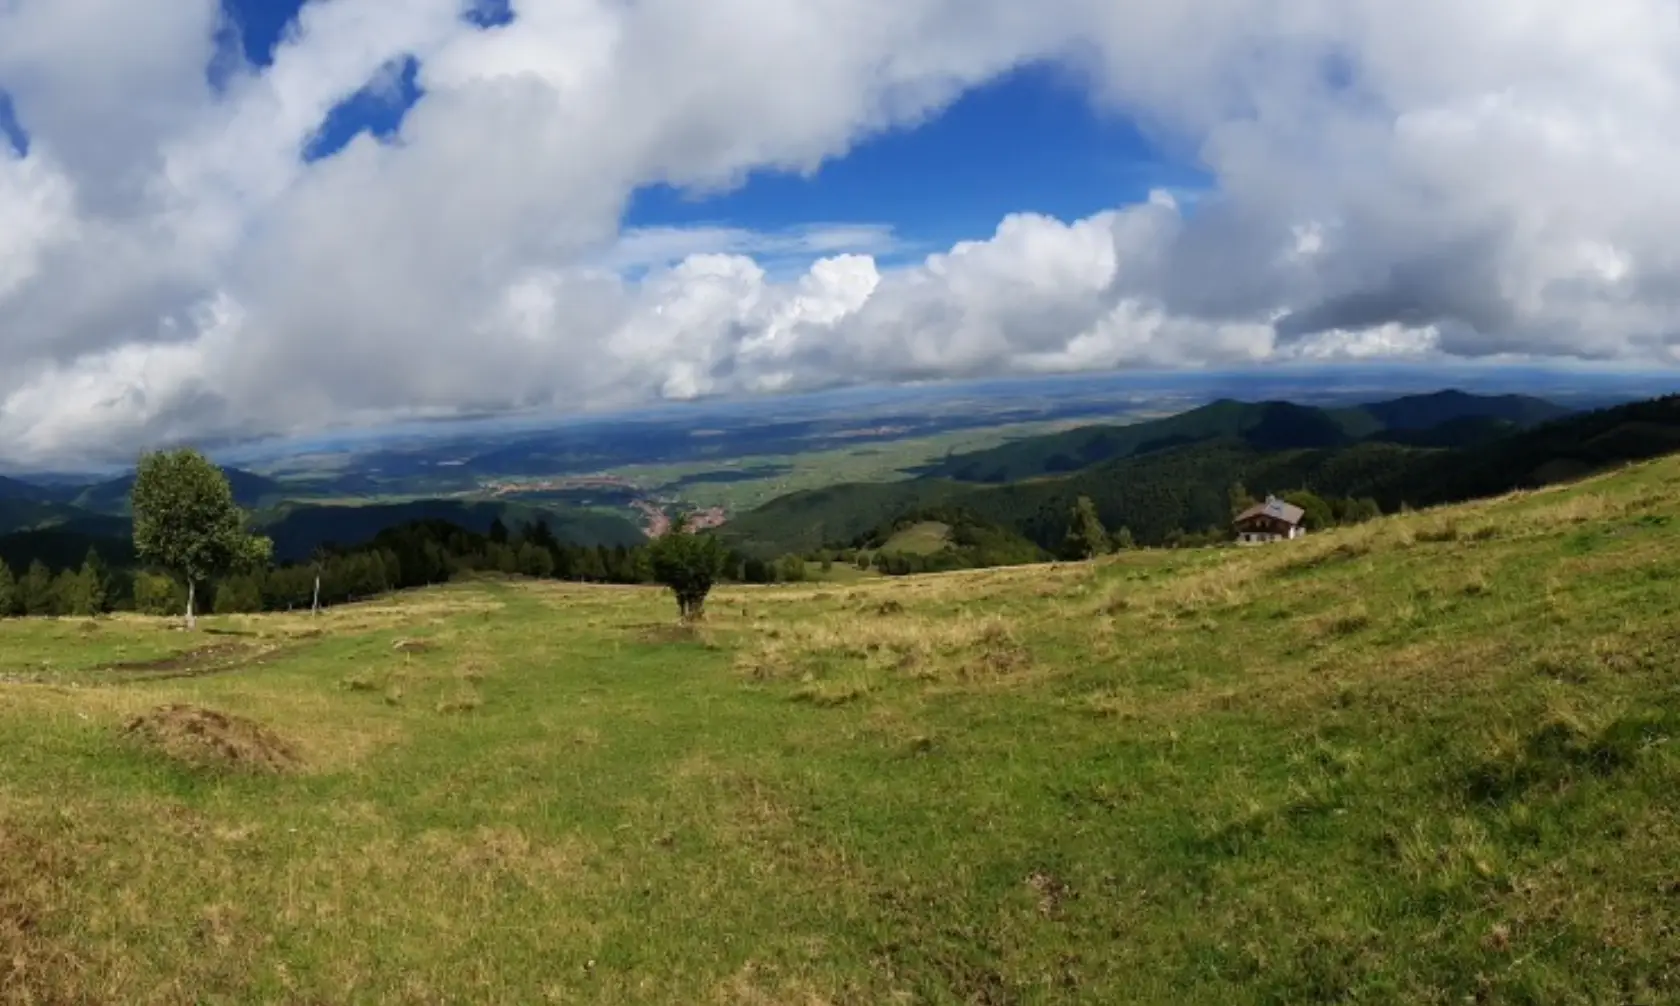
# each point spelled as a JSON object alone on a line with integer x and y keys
{"x": 1402, "y": 181}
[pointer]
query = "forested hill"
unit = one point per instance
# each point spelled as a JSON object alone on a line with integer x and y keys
{"x": 250, "y": 490}
{"x": 1422, "y": 412}
{"x": 1187, "y": 488}
{"x": 1268, "y": 426}
{"x": 298, "y": 529}
{"x": 16, "y": 490}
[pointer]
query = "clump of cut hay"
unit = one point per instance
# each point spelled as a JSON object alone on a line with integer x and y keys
{"x": 206, "y": 739}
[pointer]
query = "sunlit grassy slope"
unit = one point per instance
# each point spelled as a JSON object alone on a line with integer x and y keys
{"x": 1433, "y": 759}
{"x": 924, "y": 538}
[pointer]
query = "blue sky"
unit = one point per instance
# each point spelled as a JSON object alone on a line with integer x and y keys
{"x": 1027, "y": 142}
{"x": 11, "y": 130}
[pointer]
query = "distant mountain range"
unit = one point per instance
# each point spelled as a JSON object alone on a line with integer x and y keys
{"x": 1444, "y": 419}
{"x": 1175, "y": 474}
{"x": 1155, "y": 478}
{"x": 20, "y": 491}
{"x": 251, "y": 490}
{"x": 60, "y": 523}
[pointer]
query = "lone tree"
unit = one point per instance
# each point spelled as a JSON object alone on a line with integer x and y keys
{"x": 689, "y": 564}
{"x": 1086, "y": 538}
{"x": 185, "y": 520}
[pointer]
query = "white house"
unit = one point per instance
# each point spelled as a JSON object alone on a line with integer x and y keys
{"x": 1273, "y": 520}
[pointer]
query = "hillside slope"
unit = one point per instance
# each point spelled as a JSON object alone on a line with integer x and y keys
{"x": 17, "y": 489}
{"x": 1422, "y": 412}
{"x": 250, "y": 490}
{"x": 803, "y": 521}
{"x": 1186, "y": 488}
{"x": 23, "y": 515}
{"x": 1455, "y": 417}
{"x": 297, "y": 529}
{"x": 1266, "y": 425}
{"x": 1428, "y": 760}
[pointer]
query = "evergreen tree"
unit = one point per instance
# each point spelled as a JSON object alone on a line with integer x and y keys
{"x": 96, "y": 583}
{"x": 498, "y": 532}
{"x": 80, "y": 592}
{"x": 535, "y": 560}
{"x": 1356, "y": 511}
{"x": 590, "y": 568}
{"x": 67, "y": 595}
{"x": 1086, "y": 537}
{"x": 35, "y": 590}
{"x": 501, "y": 558}
{"x": 540, "y": 535}
{"x": 1240, "y": 499}
{"x": 8, "y": 592}
{"x": 1123, "y": 540}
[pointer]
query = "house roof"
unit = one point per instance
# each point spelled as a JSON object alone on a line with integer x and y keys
{"x": 1276, "y": 509}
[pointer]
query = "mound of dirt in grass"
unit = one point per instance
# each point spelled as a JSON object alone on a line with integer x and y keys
{"x": 206, "y": 739}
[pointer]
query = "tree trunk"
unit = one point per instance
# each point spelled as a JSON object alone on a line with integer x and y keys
{"x": 315, "y": 605}
{"x": 192, "y": 620}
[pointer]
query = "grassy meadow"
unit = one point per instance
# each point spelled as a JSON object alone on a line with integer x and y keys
{"x": 1431, "y": 759}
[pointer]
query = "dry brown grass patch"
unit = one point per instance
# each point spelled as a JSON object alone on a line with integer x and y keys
{"x": 669, "y": 633}
{"x": 1576, "y": 508}
{"x": 829, "y": 694}
{"x": 506, "y": 850}
{"x": 927, "y": 648}
{"x": 760, "y": 985}
{"x": 206, "y": 739}
{"x": 1345, "y": 621}
{"x": 34, "y": 967}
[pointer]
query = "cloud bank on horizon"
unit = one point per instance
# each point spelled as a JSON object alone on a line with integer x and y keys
{"x": 1433, "y": 179}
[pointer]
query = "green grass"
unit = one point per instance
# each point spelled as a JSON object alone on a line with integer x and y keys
{"x": 1432, "y": 759}
{"x": 925, "y": 538}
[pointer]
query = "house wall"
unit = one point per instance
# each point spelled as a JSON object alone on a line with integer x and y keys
{"x": 1263, "y": 530}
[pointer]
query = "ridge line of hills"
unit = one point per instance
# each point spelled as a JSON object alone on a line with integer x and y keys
{"x": 1157, "y": 479}
{"x": 60, "y": 523}
{"x": 1449, "y": 418}
{"x": 1175, "y": 475}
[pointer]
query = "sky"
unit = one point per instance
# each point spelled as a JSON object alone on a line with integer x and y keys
{"x": 253, "y": 218}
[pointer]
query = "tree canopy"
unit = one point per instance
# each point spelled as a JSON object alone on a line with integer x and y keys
{"x": 186, "y": 520}
{"x": 1086, "y": 537}
{"x": 690, "y": 564}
